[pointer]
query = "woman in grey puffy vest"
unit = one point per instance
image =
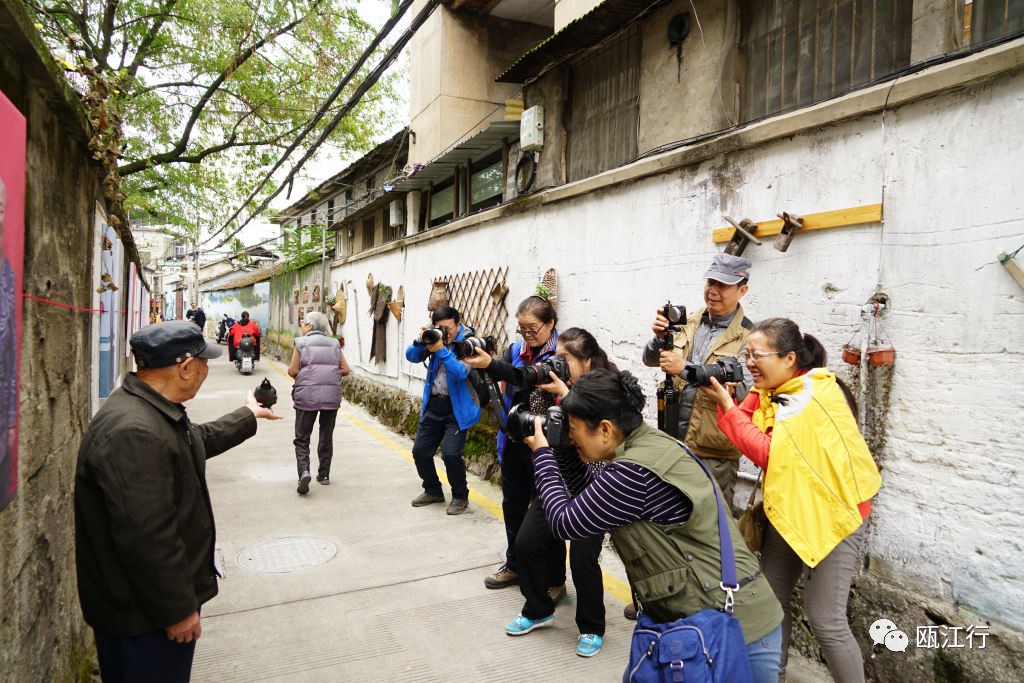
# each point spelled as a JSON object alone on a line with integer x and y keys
{"x": 317, "y": 366}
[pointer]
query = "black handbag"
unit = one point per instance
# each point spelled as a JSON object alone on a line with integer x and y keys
{"x": 706, "y": 646}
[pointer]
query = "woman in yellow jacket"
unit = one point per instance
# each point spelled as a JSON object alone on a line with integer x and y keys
{"x": 798, "y": 424}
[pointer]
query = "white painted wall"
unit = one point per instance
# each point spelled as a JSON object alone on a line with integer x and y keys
{"x": 947, "y": 520}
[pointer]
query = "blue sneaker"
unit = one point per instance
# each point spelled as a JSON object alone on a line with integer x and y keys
{"x": 520, "y": 626}
{"x": 589, "y": 645}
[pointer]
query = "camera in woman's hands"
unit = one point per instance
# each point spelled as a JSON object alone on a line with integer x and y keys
{"x": 725, "y": 370}
{"x": 520, "y": 424}
{"x": 468, "y": 346}
{"x": 533, "y": 375}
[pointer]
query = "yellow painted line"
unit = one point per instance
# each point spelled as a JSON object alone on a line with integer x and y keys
{"x": 613, "y": 585}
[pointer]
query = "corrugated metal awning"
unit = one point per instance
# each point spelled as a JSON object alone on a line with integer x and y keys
{"x": 579, "y": 34}
{"x": 486, "y": 141}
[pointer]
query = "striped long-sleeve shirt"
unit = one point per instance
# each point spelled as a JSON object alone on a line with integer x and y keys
{"x": 618, "y": 495}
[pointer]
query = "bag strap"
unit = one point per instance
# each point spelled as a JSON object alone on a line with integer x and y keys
{"x": 729, "y": 582}
{"x": 753, "y": 492}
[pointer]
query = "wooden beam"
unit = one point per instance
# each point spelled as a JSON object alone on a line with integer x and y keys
{"x": 856, "y": 215}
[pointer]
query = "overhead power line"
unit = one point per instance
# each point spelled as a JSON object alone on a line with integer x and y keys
{"x": 370, "y": 80}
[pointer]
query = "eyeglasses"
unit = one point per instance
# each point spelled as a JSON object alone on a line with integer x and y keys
{"x": 529, "y": 331}
{"x": 758, "y": 355}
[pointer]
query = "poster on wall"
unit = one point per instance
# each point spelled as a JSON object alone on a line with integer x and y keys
{"x": 12, "y": 243}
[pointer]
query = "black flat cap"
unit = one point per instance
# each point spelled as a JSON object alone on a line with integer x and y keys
{"x": 169, "y": 343}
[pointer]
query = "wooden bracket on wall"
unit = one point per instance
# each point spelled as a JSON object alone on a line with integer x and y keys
{"x": 857, "y": 215}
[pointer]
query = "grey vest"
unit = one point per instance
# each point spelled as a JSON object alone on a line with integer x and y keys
{"x": 318, "y": 384}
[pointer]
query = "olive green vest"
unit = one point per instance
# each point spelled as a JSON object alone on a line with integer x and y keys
{"x": 702, "y": 433}
{"x": 676, "y": 569}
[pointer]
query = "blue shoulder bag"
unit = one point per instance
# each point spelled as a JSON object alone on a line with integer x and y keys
{"x": 706, "y": 646}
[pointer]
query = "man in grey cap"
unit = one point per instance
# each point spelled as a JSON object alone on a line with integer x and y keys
{"x": 144, "y": 531}
{"x": 716, "y": 331}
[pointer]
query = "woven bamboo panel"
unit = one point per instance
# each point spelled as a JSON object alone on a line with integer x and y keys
{"x": 480, "y": 297}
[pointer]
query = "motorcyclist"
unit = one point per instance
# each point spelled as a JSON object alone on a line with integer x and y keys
{"x": 243, "y": 326}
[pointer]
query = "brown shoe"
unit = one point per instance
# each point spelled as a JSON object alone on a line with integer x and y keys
{"x": 503, "y": 578}
{"x": 629, "y": 612}
{"x": 556, "y": 593}
{"x": 427, "y": 499}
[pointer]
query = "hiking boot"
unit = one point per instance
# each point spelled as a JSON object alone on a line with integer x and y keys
{"x": 589, "y": 644}
{"x": 503, "y": 578}
{"x": 520, "y": 626}
{"x": 556, "y": 593}
{"x": 427, "y": 499}
{"x": 629, "y": 611}
{"x": 323, "y": 479}
{"x": 458, "y": 506}
{"x": 303, "y": 488}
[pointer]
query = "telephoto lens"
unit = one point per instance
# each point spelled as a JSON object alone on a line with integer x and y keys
{"x": 725, "y": 370}
{"x": 468, "y": 346}
{"x": 533, "y": 375}
{"x": 432, "y": 335}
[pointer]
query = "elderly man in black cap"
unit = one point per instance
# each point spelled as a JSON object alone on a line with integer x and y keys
{"x": 144, "y": 526}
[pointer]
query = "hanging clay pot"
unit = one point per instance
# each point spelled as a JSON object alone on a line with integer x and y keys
{"x": 851, "y": 354}
{"x": 882, "y": 356}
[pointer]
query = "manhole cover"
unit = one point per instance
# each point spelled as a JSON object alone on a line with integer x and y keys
{"x": 286, "y": 555}
{"x": 274, "y": 473}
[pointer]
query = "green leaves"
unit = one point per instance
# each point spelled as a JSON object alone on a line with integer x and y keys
{"x": 206, "y": 93}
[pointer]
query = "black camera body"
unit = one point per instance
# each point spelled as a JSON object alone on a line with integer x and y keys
{"x": 676, "y": 316}
{"x": 435, "y": 334}
{"x": 725, "y": 370}
{"x": 520, "y": 424}
{"x": 532, "y": 375}
{"x": 468, "y": 346}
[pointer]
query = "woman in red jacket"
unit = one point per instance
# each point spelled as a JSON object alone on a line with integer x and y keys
{"x": 243, "y": 326}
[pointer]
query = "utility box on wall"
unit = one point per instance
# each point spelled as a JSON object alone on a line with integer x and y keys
{"x": 397, "y": 213}
{"x": 531, "y": 129}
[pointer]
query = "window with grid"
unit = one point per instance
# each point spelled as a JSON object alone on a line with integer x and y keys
{"x": 804, "y": 51}
{"x": 605, "y": 105}
{"x": 369, "y": 226}
{"x": 993, "y": 20}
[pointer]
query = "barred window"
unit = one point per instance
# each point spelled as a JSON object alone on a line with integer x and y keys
{"x": 993, "y": 20}
{"x": 605, "y": 106}
{"x": 804, "y": 51}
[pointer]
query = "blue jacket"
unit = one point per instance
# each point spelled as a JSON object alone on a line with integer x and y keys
{"x": 464, "y": 399}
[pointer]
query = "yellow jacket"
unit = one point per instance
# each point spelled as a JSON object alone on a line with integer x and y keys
{"x": 819, "y": 467}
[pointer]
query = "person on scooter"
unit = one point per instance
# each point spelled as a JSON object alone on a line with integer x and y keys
{"x": 243, "y": 326}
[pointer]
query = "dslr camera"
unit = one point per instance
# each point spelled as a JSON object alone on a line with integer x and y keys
{"x": 726, "y": 369}
{"x": 532, "y": 375}
{"x": 468, "y": 346}
{"x": 435, "y": 334}
{"x": 520, "y": 424}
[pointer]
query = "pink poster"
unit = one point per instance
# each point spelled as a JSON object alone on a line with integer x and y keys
{"x": 12, "y": 243}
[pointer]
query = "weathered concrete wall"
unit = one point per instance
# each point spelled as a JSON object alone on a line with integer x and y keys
{"x": 944, "y": 528}
{"x": 44, "y": 637}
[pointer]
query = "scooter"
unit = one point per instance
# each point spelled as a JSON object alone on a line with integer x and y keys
{"x": 223, "y": 327}
{"x": 245, "y": 354}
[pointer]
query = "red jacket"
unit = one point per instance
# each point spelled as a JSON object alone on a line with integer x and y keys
{"x": 238, "y": 329}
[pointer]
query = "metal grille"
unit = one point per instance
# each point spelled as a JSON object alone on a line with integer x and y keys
{"x": 993, "y": 20}
{"x": 605, "y": 104}
{"x": 480, "y": 297}
{"x": 282, "y": 555}
{"x": 804, "y": 51}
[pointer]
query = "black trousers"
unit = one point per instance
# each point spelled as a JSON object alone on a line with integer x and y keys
{"x": 516, "y": 494}
{"x": 304, "y": 420}
{"x": 541, "y": 558}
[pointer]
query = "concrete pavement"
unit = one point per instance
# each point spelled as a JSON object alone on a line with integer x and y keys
{"x": 351, "y": 583}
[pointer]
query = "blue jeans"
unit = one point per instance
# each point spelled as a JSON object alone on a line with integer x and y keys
{"x": 439, "y": 428}
{"x": 765, "y": 656}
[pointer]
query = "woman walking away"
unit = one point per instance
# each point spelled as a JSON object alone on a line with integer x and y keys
{"x": 819, "y": 478}
{"x": 317, "y": 366}
{"x": 662, "y": 510}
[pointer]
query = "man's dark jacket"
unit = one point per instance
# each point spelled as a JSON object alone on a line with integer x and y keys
{"x": 144, "y": 531}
